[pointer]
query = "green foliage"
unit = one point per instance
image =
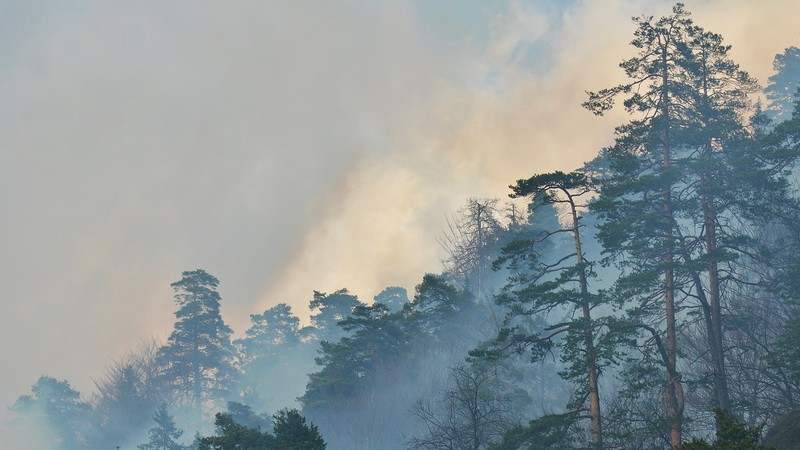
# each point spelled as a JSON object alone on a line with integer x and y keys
{"x": 782, "y": 87}
{"x": 383, "y": 357}
{"x": 377, "y": 339}
{"x": 233, "y": 436}
{"x": 272, "y": 332}
{"x": 328, "y": 310}
{"x": 394, "y": 297}
{"x": 555, "y": 285}
{"x": 731, "y": 435}
{"x": 273, "y": 352}
{"x": 688, "y": 183}
{"x": 548, "y": 432}
{"x": 165, "y": 434}
{"x": 244, "y": 415}
{"x": 197, "y": 361}
{"x": 437, "y": 304}
{"x": 293, "y": 433}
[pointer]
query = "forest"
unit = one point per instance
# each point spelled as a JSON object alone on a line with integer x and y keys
{"x": 646, "y": 300}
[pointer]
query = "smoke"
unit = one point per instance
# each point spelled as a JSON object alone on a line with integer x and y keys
{"x": 283, "y": 146}
{"x": 512, "y": 111}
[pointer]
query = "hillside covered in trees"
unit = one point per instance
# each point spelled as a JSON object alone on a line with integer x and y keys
{"x": 647, "y": 300}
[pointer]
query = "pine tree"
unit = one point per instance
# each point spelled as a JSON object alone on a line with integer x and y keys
{"x": 547, "y": 282}
{"x": 57, "y": 406}
{"x": 686, "y": 183}
{"x": 292, "y": 433}
{"x": 197, "y": 361}
{"x": 272, "y": 333}
{"x": 232, "y": 436}
{"x": 638, "y": 201}
{"x": 328, "y": 310}
{"x": 782, "y": 89}
{"x": 272, "y": 354}
{"x": 165, "y": 434}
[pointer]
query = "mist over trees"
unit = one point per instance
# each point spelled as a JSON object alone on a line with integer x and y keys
{"x": 648, "y": 299}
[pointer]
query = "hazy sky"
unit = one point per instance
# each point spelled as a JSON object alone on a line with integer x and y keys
{"x": 284, "y": 146}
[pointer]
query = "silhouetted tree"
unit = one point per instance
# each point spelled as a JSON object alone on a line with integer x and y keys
{"x": 555, "y": 284}
{"x": 59, "y": 408}
{"x": 471, "y": 242}
{"x": 275, "y": 355}
{"x": 548, "y": 432}
{"x": 293, "y": 433}
{"x": 327, "y": 310}
{"x": 234, "y": 436}
{"x": 197, "y": 361}
{"x": 782, "y": 87}
{"x": 244, "y": 415}
{"x": 394, "y": 297}
{"x": 165, "y": 434}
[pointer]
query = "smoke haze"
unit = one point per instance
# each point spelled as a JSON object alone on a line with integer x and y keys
{"x": 284, "y": 147}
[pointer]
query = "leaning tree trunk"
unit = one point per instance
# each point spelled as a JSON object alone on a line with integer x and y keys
{"x": 588, "y": 336}
{"x": 673, "y": 392}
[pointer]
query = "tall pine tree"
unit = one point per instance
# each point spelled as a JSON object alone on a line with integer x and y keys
{"x": 638, "y": 200}
{"x": 197, "y": 361}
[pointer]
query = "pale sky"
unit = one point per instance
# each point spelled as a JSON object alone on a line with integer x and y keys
{"x": 284, "y": 146}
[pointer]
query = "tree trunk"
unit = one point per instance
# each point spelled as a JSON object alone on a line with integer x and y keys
{"x": 673, "y": 392}
{"x": 715, "y": 340}
{"x": 710, "y": 223}
{"x": 588, "y": 336}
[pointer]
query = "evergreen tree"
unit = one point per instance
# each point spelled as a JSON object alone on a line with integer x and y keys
{"x": 677, "y": 178}
{"x": 244, "y": 415}
{"x": 234, "y": 436}
{"x": 782, "y": 87}
{"x": 548, "y": 432}
{"x": 638, "y": 203}
{"x": 197, "y": 361}
{"x": 441, "y": 309}
{"x": 393, "y": 297}
{"x": 377, "y": 339}
{"x": 59, "y": 408}
{"x": 272, "y": 354}
{"x": 376, "y": 371}
{"x": 292, "y": 432}
{"x": 557, "y": 285}
{"x": 165, "y": 434}
{"x": 272, "y": 333}
{"x": 328, "y": 310}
